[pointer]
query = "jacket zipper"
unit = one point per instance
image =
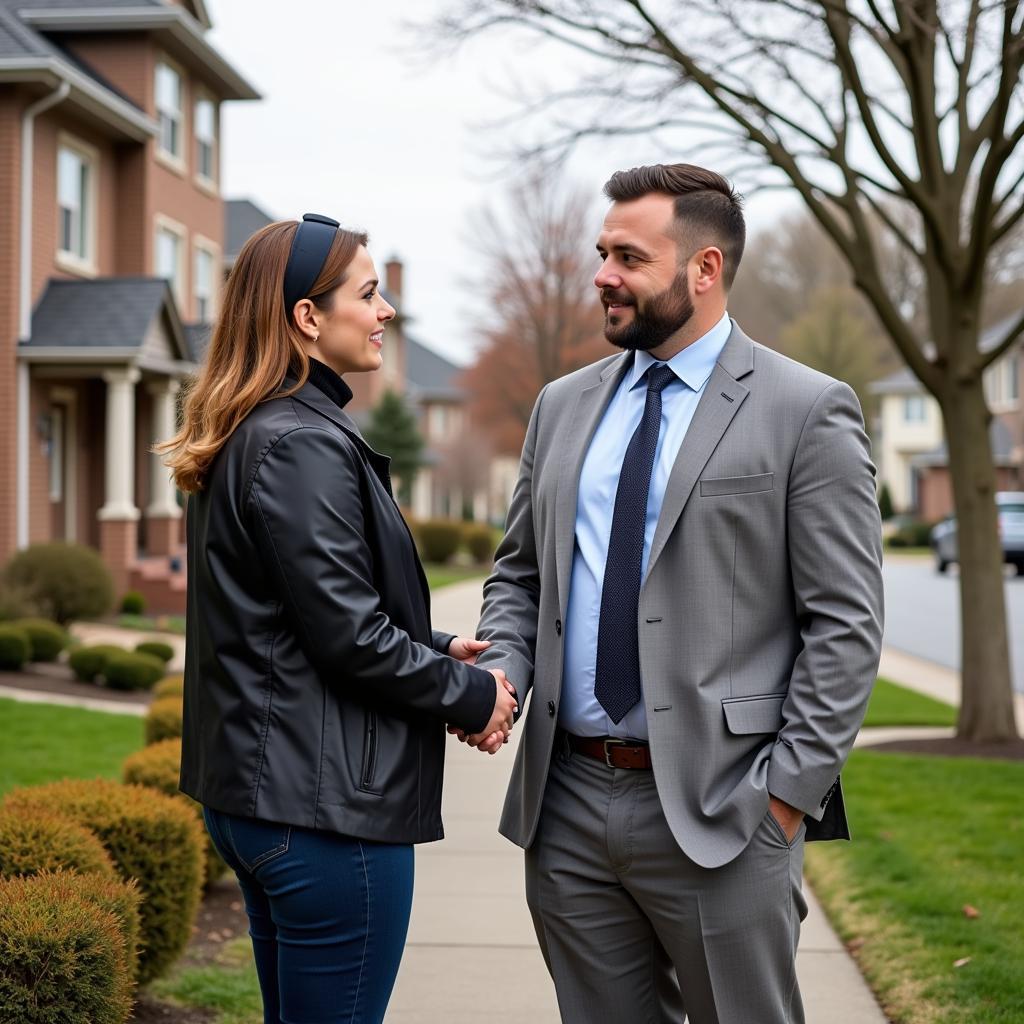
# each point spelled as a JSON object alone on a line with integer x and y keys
{"x": 370, "y": 751}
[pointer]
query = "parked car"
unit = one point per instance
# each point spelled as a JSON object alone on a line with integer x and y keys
{"x": 1009, "y": 509}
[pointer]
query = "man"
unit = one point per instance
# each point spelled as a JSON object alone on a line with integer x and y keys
{"x": 690, "y": 583}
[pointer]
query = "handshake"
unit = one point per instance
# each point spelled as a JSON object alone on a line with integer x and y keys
{"x": 506, "y": 703}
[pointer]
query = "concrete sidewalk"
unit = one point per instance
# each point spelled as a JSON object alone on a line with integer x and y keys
{"x": 470, "y": 924}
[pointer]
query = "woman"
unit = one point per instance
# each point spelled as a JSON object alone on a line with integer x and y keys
{"x": 316, "y": 693}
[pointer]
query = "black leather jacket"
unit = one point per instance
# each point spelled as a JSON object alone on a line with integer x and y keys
{"x": 315, "y": 690}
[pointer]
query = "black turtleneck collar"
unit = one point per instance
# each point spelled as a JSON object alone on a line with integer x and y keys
{"x": 330, "y": 383}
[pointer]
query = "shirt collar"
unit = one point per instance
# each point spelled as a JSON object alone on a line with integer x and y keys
{"x": 694, "y": 364}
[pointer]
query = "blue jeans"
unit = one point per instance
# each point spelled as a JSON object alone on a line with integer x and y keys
{"x": 328, "y": 917}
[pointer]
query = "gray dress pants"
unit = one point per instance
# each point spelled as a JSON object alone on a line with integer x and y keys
{"x": 634, "y": 932}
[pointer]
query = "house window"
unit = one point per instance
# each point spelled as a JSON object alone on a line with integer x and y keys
{"x": 913, "y": 409}
{"x": 169, "y": 249}
{"x": 206, "y": 140}
{"x": 203, "y": 285}
{"x": 1002, "y": 383}
{"x": 438, "y": 422}
{"x": 169, "y": 110}
{"x": 74, "y": 202}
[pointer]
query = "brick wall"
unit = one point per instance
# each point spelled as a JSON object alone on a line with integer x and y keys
{"x": 11, "y": 105}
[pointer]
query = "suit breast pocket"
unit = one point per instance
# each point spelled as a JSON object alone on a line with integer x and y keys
{"x": 737, "y": 485}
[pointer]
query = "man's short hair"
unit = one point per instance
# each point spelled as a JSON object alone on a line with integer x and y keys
{"x": 708, "y": 210}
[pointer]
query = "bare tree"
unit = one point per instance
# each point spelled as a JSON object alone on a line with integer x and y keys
{"x": 857, "y": 105}
{"x": 536, "y": 274}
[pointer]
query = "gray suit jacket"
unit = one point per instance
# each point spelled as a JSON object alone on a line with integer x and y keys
{"x": 760, "y": 617}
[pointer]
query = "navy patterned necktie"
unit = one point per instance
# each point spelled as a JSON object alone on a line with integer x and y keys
{"x": 617, "y": 681}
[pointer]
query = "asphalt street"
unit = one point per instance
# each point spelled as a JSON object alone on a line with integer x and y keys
{"x": 922, "y": 614}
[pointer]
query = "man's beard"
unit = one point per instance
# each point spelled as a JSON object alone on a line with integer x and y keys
{"x": 661, "y": 317}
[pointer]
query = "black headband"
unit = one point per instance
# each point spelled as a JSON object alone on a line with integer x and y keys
{"x": 310, "y": 246}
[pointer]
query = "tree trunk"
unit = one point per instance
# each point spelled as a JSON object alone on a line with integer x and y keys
{"x": 986, "y": 703}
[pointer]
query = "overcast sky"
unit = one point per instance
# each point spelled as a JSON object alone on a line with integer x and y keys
{"x": 355, "y": 124}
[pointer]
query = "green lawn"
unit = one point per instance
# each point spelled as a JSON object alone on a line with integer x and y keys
{"x": 931, "y": 836}
{"x": 442, "y": 575}
{"x": 896, "y": 705}
{"x": 42, "y": 742}
{"x": 228, "y": 987}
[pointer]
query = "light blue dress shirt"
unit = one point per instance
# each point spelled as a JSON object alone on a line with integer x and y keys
{"x": 580, "y": 712}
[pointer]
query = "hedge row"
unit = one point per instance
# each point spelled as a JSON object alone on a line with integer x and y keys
{"x": 159, "y": 767}
{"x": 439, "y": 539}
{"x": 150, "y": 837}
{"x": 30, "y": 640}
{"x": 67, "y": 948}
{"x": 121, "y": 669}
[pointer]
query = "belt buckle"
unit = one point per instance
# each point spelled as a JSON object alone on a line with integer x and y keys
{"x": 607, "y": 753}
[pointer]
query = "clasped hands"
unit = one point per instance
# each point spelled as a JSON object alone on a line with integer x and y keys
{"x": 506, "y": 703}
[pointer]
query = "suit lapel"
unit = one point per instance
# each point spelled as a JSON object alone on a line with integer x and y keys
{"x": 723, "y": 395}
{"x": 590, "y": 407}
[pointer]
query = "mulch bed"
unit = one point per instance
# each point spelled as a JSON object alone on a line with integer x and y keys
{"x": 950, "y": 746}
{"x": 57, "y": 678}
{"x": 221, "y": 919}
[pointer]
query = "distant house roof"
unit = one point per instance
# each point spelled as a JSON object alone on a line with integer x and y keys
{"x": 904, "y": 382}
{"x": 430, "y": 376}
{"x": 242, "y": 219}
{"x": 113, "y": 313}
{"x": 34, "y": 34}
{"x": 197, "y": 338}
{"x": 1000, "y": 440}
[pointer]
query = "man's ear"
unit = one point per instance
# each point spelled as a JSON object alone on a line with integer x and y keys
{"x": 709, "y": 269}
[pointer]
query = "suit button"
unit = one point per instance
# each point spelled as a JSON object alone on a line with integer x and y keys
{"x": 558, "y": 626}
{"x": 551, "y": 708}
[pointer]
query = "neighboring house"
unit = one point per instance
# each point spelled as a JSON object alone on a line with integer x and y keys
{"x": 110, "y": 253}
{"x": 909, "y": 443}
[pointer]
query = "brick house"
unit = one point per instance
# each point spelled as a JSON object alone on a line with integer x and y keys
{"x": 909, "y": 443}
{"x": 110, "y": 253}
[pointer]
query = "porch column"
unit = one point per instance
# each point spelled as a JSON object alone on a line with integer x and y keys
{"x": 119, "y": 516}
{"x": 163, "y": 515}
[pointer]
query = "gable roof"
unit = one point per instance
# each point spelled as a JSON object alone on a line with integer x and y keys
{"x": 26, "y": 51}
{"x": 104, "y": 315}
{"x": 430, "y": 376}
{"x": 904, "y": 381}
{"x": 242, "y": 219}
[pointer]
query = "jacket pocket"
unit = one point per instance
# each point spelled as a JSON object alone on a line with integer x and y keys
{"x": 748, "y": 715}
{"x": 369, "y": 751}
{"x": 737, "y": 485}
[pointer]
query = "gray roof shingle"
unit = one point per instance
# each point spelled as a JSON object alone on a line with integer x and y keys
{"x": 114, "y": 312}
{"x": 431, "y": 377}
{"x": 242, "y": 219}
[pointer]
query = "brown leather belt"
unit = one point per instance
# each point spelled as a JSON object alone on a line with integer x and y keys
{"x": 612, "y": 752}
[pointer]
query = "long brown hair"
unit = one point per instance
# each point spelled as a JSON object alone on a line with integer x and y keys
{"x": 255, "y": 343}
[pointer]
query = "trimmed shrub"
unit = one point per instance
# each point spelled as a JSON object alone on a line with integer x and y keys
{"x": 152, "y": 838}
{"x": 132, "y": 671}
{"x": 15, "y": 647}
{"x": 133, "y": 603}
{"x": 911, "y": 535}
{"x": 170, "y": 686}
{"x": 15, "y": 603}
{"x": 885, "y": 509}
{"x": 438, "y": 539}
{"x": 45, "y": 638}
{"x": 63, "y": 956}
{"x": 156, "y": 649}
{"x": 88, "y": 663}
{"x": 480, "y": 541}
{"x": 163, "y": 720}
{"x": 66, "y": 581}
{"x": 34, "y": 841}
{"x": 159, "y": 766}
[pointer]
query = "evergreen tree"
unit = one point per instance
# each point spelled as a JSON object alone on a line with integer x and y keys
{"x": 392, "y": 431}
